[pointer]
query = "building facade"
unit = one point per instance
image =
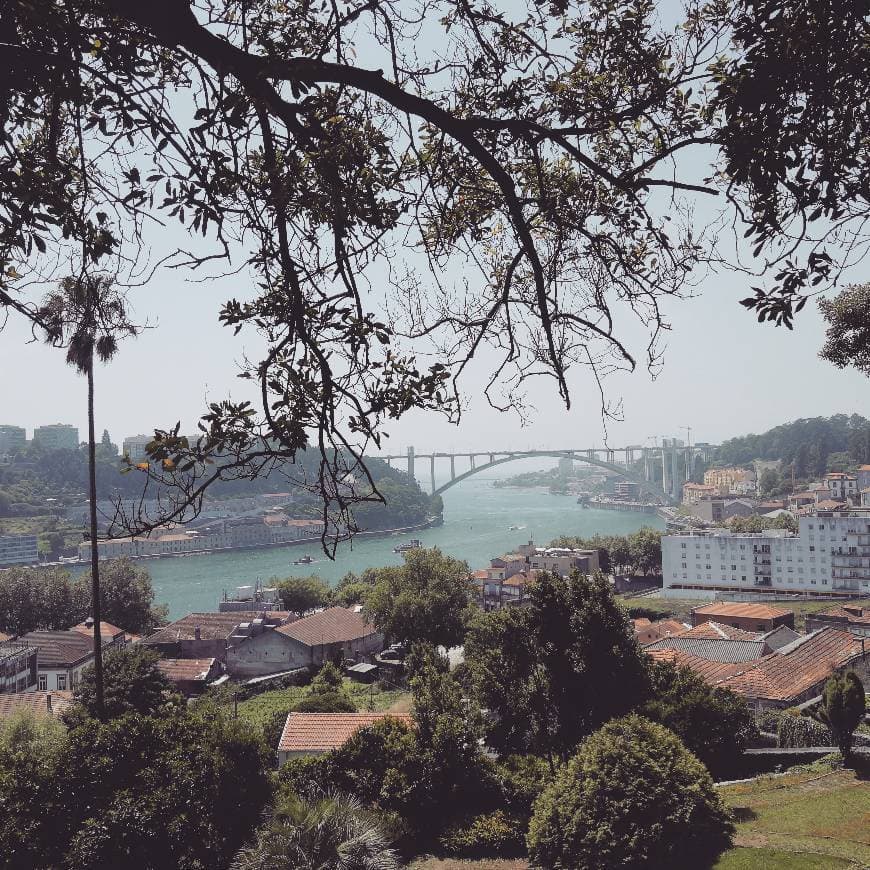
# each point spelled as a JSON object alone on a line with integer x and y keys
{"x": 12, "y": 438}
{"x": 18, "y": 667}
{"x": 18, "y": 550}
{"x": 829, "y": 554}
{"x": 56, "y": 436}
{"x": 740, "y": 481}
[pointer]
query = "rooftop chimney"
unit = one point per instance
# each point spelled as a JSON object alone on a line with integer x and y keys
{"x": 197, "y": 634}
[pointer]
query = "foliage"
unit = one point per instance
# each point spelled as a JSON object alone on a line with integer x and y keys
{"x": 847, "y": 338}
{"x": 491, "y": 835}
{"x": 757, "y": 523}
{"x": 801, "y": 731}
{"x": 333, "y": 832}
{"x": 174, "y": 790}
{"x": 713, "y": 723}
{"x": 300, "y": 595}
{"x": 632, "y": 796}
{"x": 352, "y": 589}
{"x": 558, "y": 669}
{"x": 428, "y": 598}
{"x": 842, "y": 709}
{"x": 132, "y": 684}
{"x": 521, "y": 779}
{"x": 326, "y": 702}
{"x": 639, "y": 552}
{"x": 52, "y": 599}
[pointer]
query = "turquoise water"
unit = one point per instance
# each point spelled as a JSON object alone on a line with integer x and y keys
{"x": 477, "y": 520}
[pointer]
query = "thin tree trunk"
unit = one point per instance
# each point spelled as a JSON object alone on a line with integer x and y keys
{"x": 95, "y": 554}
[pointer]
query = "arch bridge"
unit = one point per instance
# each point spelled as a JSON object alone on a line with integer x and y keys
{"x": 677, "y": 462}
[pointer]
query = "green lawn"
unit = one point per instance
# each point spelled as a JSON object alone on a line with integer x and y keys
{"x": 259, "y": 709}
{"x": 809, "y": 819}
{"x": 681, "y": 607}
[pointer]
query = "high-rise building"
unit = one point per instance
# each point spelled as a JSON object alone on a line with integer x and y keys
{"x": 18, "y": 550}
{"x": 56, "y": 436}
{"x": 134, "y": 446}
{"x": 12, "y": 438}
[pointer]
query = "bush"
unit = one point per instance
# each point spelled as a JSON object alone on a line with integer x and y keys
{"x": 632, "y": 797}
{"x": 800, "y": 732}
{"x": 521, "y": 780}
{"x": 326, "y": 702}
{"x": 485, "y": 836}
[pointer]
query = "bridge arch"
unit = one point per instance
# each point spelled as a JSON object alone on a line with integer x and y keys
{"x": 647, "y": 485}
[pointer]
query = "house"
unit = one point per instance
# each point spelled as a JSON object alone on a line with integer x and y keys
{"x": 849, "y": 617}
{"x": 18, "y": 666}
{"x": 799, "y": 671}
{"x": 502, "y": 567}
{"x": 190, "y": 676}
{"x": 336, "y": 632}
{"x": 842, "y": 486}
{"x": 112, "y": 636}
{"x": 207, "y": 635}
{"x": 714, "y": 649}
{"x": 559, "y": 560}
{"x": 62, "y": 656}
{"x": 710, "y": 671}
{"x": 318, "y": 733}
{"x": 748, "y": 616}
{"x": 648, "y": 632}
{"x": 496, "y": 593}
{"x": 49, "y": 703}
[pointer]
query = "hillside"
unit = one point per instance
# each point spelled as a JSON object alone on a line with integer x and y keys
{"x": 812, "y": 444}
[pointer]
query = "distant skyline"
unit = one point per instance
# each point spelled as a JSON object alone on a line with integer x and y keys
{"x": 723, "y": 375}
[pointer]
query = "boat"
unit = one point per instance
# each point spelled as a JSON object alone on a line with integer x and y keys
{"x": 515, "y": 528}
{"x": 413, "y": 544}
{"x": 303, "y": 560}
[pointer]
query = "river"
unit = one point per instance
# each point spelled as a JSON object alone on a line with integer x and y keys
{"x": 477, "y": 521}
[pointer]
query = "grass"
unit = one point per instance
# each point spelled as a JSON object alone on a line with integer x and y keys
{"x": 815, "y": 818}
{"x": 260, "y": 709}
{"x": 682, "y": 607}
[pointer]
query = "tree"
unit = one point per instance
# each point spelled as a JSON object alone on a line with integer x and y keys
{"x": 508, "y": 155}
{"x": 842, "y": 709}
{"x": 127, "y": 597}
{"x": 303, "y": 594}
{"x": 554, "y": 671}
{"x": 326, "y": 694}
{"x": 770, "y": 481}
{"x": 88, "y": 317}
{"x": 632, "y": 797}
{"x": 328, "y": 833}
{"x": 645, "y": 550}
{"x": 427, "y": 599}
{"x": 133, "y": 684}
{"x": 714, "y": 724}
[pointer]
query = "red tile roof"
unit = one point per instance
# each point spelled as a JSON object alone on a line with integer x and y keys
{"x": 36, "y": 702}
{"x": 796, "y": 668}
{"x": 4, "y": 637}
{"x": 849, "y": 613}
{"x": 186, "y": 670}
{"x": 712, "y": 672}
{"x": 321, "y": 732}
{"x": 737, "y": 609}
{"x": 107, "y": 630}
{"x": 717, "y": 630}
{"x": 212, "y": 626}
{"x": 60, "y": 648}
{"x": 333, "y": 625}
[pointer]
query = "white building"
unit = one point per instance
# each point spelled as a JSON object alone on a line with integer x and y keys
{"x": 842, "y": 486}
{"x": 18, "y": 550}
{"x": 830, "y": 553}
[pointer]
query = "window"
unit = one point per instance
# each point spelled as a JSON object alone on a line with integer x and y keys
{"x": 812, "y": 549}
{"x": 683, "y": 546}
{"x": 61, "y": 681}
{"x": 41, "y": 682}
{"x": 743, "y": 578}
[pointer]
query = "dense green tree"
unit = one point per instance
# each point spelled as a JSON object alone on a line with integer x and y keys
{"x": 327, "y": 833}
{"x": 133, "y": 684}
{"x": 757, "y": 523}
{"x": 632, "y": 797}
{"x": 847, "y": 338}
{"x": 556, "y": 670}
{"x": 300, "y": 595}
{"x": 771, "y": 480}
{"x": 842, "y": 708}
{"x": 428, "y": 598}
{"x": 645, "y": 550}
{"x": 714, "y": 724}
{"x": 127, "y": 596}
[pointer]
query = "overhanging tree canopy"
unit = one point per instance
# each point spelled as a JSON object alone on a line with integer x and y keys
{"x": 393, "y": 180}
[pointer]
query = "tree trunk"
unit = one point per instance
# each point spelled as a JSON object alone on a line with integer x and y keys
{"x": 95, "y": 554}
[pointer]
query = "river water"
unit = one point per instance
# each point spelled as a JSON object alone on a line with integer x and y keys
{"x": 477, "y": 521}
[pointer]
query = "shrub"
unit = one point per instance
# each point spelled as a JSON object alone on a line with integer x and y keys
{"x": 485, "y": 836}
{"x": 521, "y": 780}
{"x": 800, "y": 731}
{"x": 326, "y": 702}
{"x": 632, "y": 797}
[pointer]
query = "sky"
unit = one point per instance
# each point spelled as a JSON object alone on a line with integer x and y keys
{"x": 723, "y": 375}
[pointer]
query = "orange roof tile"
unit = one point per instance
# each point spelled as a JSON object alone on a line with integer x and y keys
{"x": 185, "y": 670}
{"x": 847, "y": 614}
{"x": 711, "y": 672}
{"x": 106, "y": 629}
{"x": 321, "y": 732}
{"x": 333, "y": 625}
{"x": 36, "y": 702}
{"x": 739, "y": 608}
{"x": 796, "y": 668}
{"x": 716, "y": 630}
{"x": 212, "y": 626}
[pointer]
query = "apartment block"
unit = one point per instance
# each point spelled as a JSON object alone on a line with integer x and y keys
{"x": 56, "y": 436}
{"x": 829, "y": 554}
{"x": 12, "y": 438}
{"x": 18, "y": 550}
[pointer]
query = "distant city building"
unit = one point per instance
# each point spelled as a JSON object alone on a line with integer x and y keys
{"x": 863, "y": 476}
{"x": 718, "y": 510}
{"x": 12, "y": 438}
{"x": 56, "y": 436}
{"x": 18, "y": 667}
{"x": 850, "y": 617}
{"x": 730, "y": 481}
{"x": 628, "y": 490}
{"x": 566, "y": 466}
{"x": 830, "y": 553}
{"x": 134, "y": 447}
{"x": 18, "y": 550}
{"x": 842, "y": 486}
{"x": 694, "y": 492}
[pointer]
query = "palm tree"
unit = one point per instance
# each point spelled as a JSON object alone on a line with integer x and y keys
{"x": 88, "y": 316}
{"x": 334, "y": 832}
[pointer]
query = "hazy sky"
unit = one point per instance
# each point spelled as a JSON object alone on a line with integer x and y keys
{"x": 723, "y": 375}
